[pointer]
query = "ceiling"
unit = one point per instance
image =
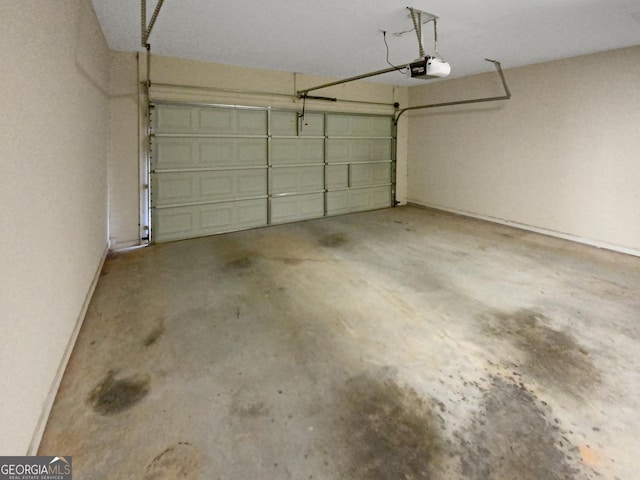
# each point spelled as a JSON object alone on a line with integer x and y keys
{"x": 343, "y": 38}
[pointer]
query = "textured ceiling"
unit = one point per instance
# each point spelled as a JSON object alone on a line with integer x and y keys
{"x": 342, "y": 38}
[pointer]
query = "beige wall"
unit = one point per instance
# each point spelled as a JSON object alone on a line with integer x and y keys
{"x": 124, "y": 161}
{"x": 562, "y": 155}
{"x": 53, "y": 99}
{"x": 208, "y": 79}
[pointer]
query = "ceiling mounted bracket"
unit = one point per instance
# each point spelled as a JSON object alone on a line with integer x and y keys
{"x": 145, "y": 30}
{"x": 419, "y": 18}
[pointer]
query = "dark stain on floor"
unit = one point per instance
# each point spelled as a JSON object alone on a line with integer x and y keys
{"x": 333, "y": 240}
{"x": 511, "y": 438}
{"x": 243, "y": 262}
{"x": 291, "y": 260}
{"x": 552, "y": 357}
{"x": 154, "y": 335}
{"x": 112, "y": 396}
{"x": 182, "y": 460}
{"x": 390, "y": 432}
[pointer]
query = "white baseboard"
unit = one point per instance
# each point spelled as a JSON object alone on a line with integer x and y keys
{"x": 117, "y": 246}
{"x": 48, "y": 405}
{"x": 129, "y": 248}
{"x": 530, "y": 228}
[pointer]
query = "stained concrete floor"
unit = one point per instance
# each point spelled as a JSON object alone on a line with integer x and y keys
{"x": 397, "y": 344}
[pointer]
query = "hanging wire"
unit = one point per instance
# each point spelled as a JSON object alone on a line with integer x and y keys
{"x": 304, "y": 106}
{"x": 399, "y": 34}
{"x": 404, "y": 32}
{"x": 400, "y": 69}
{"x": 416, "y": 18}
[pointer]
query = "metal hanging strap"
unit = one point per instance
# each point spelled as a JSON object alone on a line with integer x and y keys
{"x": 416, "y": 18}
{"x": 146, "y": 29}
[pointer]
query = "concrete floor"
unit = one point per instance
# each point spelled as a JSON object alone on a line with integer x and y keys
{"x": 397, "y": 344}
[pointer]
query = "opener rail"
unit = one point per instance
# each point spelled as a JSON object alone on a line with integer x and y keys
{"x": 506, "y": 96}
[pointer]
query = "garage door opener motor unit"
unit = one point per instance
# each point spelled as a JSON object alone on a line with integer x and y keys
{"x": 426, "y": 66}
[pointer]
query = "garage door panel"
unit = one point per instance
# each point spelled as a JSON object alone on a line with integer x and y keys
{"x": 251, "y": 122}
{"x": 287, "y": 151}
{"x": 358, "y": 126}
{"x": 338, "y": 202}
{"x": 229, "y": 216}
{"x": 169, "y": 119}
{"x": 250, "y": 183}
{"x": 370, "y": 174}
{"x": 232, "y": 152}
{"x": 284, "y": 123}
{"x": 370, "y": 198}
{"x": 338, "y": 151}
{"x": 297, "y": 207}
{"x": 338, "y": 125}
{"x": 219, "y": 169}
{"x": 176, "y": 119}
{"x": 216, "y": 120}
{"x": 337, "y": 176}
{"x": 244, "y": 152}
{"x": 358, "y": 200}
{"x": 194, "y": 187}
{"x": 358, "y": 150}
{"x": 199, "y": 220}
{"x": 216, "y": 186}
{"x": 373, "y": 126}
{"x": 297, "y": 179}
{"x": 381, "y": 197}
{"x": 222, "y": 152}
{"x": 377, "y": 149}
{"x": 221, "y": 121}
{"x": 312, "y": 124}
{"x": 172, "y": 189}
{"x": 174, "y": 223}
{"x": 172, "y": 153}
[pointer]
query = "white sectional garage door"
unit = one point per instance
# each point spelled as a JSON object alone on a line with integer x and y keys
{"x": 218, "y": 169}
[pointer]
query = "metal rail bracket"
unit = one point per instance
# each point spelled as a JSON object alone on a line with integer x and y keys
{"x": 146, "y": 29}
{"x": 506, "y": 96}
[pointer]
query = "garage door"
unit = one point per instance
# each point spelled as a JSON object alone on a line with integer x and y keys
{"x": 218, "y": 169}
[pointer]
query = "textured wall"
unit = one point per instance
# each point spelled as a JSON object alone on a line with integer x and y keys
{"x": 53, "y": 132}
{"x": 124, "y": 160}
{"x": 561, "y": 155}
